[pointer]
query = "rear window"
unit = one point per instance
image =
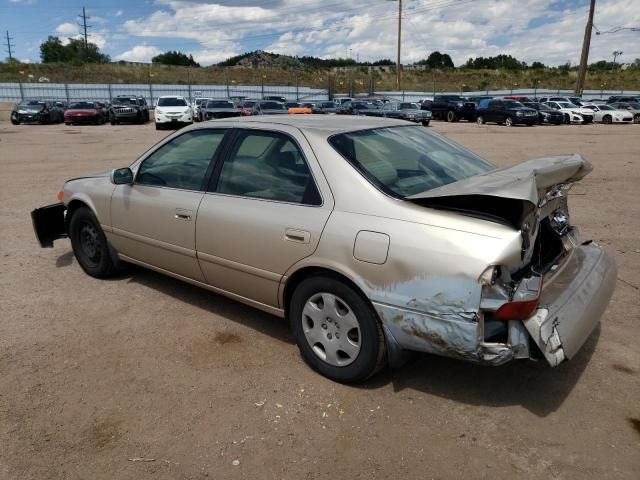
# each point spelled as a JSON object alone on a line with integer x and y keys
{"x": 404, "y": 161}
{"x": 272, "y": 106}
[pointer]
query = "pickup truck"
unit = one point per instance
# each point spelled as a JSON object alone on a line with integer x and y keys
{"x": 451, "y": 108}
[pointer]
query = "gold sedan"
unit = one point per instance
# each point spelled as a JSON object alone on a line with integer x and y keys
{"x": 372, "y": 236}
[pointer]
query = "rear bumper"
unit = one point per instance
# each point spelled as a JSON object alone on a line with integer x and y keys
{"x": 572, "y": 303}
{"x": 49, "y": 223}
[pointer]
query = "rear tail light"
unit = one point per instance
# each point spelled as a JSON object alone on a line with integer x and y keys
{"x": 520, "y": 310}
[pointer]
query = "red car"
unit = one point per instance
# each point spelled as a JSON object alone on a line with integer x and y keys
{"x": 246, "y": 107}
{"x": 84, "y": 112}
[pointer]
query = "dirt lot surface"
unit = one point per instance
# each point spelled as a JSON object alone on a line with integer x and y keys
{"x": 146, "y": 377}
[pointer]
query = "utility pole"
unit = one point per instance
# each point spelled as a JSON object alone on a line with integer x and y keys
{"x": 9, "y": 46}
{"x": 584, "y": 58}
{"x": 84, "y": 28}
{"x": 398, "y": 65}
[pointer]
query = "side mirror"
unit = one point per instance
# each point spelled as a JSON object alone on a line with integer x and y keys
{"x": 122, "y": 176}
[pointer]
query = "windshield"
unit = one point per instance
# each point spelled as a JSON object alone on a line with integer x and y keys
{"x": 328, "y": 105}
{"x": 566, "y": 105}
{"x": 125, "y": 101}
{"x": 404, "y": 161}
{"x": 220, "y": 104}
{"x": 32, "y": 103}
{"x": 272, "y": 106}
{"x": 409, "y": 106}
{"x": 512, "y": 104}
{"x": 635, "y": 105}
{"x": 82, "y": 106}
{"x": 604, "y": 107}
{"x": 172, "y": 102}
{"x": 360, "y": 105}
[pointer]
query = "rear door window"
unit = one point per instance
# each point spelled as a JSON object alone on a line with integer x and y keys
{"x": 269, "y": 166}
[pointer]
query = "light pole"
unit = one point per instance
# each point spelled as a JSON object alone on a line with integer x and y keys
{"x": 398, "y": 78}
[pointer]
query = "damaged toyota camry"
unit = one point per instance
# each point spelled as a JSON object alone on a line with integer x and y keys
{"x": 373, "y": 238}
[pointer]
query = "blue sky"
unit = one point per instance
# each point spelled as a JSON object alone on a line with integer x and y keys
{"x": 545, "y": 30}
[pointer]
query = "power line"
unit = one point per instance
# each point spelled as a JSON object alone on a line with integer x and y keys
{"x": 9, "y": 46}
{"x": 84, "y": 26}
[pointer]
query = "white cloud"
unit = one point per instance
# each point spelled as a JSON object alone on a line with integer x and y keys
{"x": 67, "y": 29}
{"x": 461, "y": 28}
{"x": 119, "y": 13}
{"x": 139, "y": 53}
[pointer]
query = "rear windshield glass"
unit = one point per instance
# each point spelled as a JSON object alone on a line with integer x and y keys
{"x": 220, "y": 104}
{"x": 512, "y": 104}
{"x": 32, "y": 103}
{"x": 404, "y": 161}
{"x": 172, "y": 102}
{"x": 409, "y": 106}
{"x": 272, "y": 106}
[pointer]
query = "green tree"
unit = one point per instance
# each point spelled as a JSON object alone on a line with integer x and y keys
{"x": 54, "y": 51}
{"x": 173, "y": 57}
{"x": 537, "y": 65}
{"x": 437, "y": 60}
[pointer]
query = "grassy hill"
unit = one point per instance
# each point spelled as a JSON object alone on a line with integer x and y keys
{"x": 445, "y": 80}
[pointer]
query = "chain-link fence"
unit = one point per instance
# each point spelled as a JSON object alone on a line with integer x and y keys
{"x": 13, "y": 92}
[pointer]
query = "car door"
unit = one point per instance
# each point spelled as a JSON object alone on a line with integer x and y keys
{"x": 491, "y": 112}
{"x": 264, "y": 211}
{"x": 154, "y": 219}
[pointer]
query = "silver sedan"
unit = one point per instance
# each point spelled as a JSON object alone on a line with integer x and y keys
{"x": 373, "y": 237}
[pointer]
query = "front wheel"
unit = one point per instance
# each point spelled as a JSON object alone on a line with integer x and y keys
{"x": 336, "y": 330}
{"x": 15, "y": 122}
{"x": 90, "y": 245}
{"x": 607, "y": 119}
{"x": 508, "y": 122}
{"x": 567, "y": 119}
{"x": 636, "y": 118}
{"x": 451, "y": 116}
{"x": 480, "y": 120}
{"x": 425, "y": 123}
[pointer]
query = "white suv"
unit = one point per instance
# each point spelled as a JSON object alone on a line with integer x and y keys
{"x": 173, "y": 110}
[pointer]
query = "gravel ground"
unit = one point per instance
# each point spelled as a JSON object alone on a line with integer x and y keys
{"x": 146, "y": 377}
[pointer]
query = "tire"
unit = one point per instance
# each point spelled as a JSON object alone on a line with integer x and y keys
{"x": 338, "y": 309}
{"x": 567, "y": 119}
{"x": 67, "y": 123}
{"x": 636, "y": 118}
{"x": 90, "y": 245}
{"x": 425, "y": 123}
{"x": 451, "y": 116}
{"x": 480, "y": 120}
{"x": 112, "y": 119}
{"x": 158, "y": 126}
{"x": 607, "y": 119}
{"x": 15, "y": 122}
{"x": 508, "y": 122}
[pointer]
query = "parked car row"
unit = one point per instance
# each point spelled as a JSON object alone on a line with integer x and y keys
{"x": 519, "y": 110}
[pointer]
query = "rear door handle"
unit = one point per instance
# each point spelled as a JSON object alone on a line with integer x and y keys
{"x": 299, "y": 236}
{"x": 183, "y": 214}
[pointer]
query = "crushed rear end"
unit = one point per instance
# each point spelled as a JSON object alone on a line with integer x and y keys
{"x": 557, "y": 293}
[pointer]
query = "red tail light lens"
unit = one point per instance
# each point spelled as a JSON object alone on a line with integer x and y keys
{"x": 516, "y": 310}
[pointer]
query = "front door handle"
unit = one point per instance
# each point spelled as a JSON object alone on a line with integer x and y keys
{"x": 183, "y": 214}
{"x": 299, "y": 236}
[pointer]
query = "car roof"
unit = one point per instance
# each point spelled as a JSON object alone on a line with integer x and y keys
{"x": 329, "y": 124}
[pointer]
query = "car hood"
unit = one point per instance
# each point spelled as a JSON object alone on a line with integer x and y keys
{"x": 528, "y": 181}
{"x": 172, "y": 109}
{"x": 274, "y": 112}
{"x": 225, "y": 110}
{"x": 101, "y": 174}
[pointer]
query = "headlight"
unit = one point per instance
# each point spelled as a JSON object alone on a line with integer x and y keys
{"x": 188, "y": 110}
{"x": 22, "y": 111}
{"x": 460, "y": 104}
{"x": 158, "y": 111}
{"x": 519, "y": 113}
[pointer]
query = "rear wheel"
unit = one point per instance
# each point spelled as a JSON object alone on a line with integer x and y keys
{"x": 451, "y": 116}
{"x": 508, "y": 122}
{"x": 636, "y": 118}
{"x": 90, "y": 245}
{"x": 336, "y": 330}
